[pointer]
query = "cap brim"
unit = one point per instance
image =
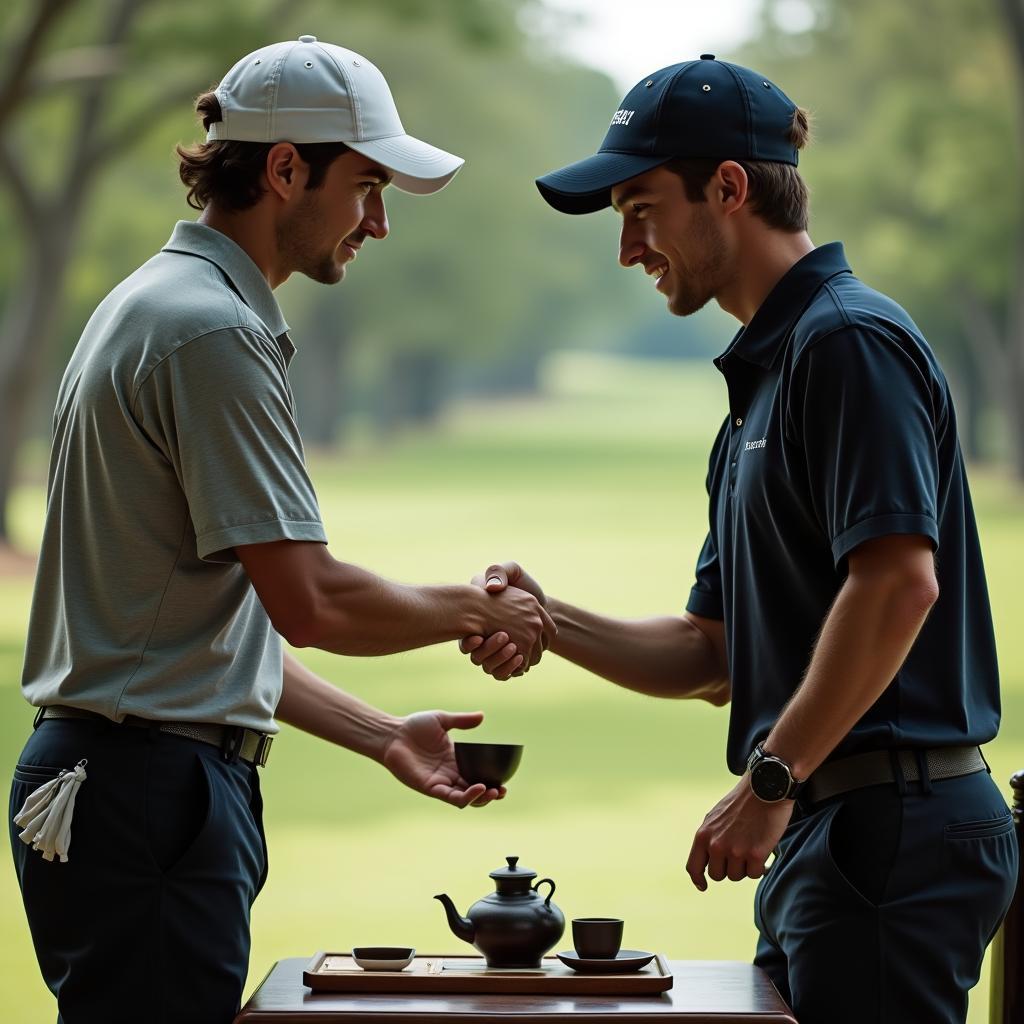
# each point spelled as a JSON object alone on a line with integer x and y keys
{"x": 585, "y": 186}
{"x": 418, "y": 167}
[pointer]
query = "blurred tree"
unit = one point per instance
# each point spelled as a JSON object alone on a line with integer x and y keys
{"x": 68, "y": 111}
{"x": 477, "y": 283}
{"x": 916, "y": 165}
{"x": 1006, "y": 348}
{"x": 25, "y": 53}
{"x": 483, "y": 275}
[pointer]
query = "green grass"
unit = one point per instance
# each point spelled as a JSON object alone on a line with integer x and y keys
{"x": 598, "y": 489}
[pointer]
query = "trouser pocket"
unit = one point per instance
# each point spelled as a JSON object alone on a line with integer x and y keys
{"x": 984, "y": 852}
{"x": 177, "y": 798}
{"x": 863, "y": 839}
{"x": 36, "y": 774}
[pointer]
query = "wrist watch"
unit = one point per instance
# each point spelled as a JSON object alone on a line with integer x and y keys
{"x": 771, "y": 778}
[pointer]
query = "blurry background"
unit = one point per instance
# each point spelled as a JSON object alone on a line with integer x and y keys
{"x": 490, "y": 384}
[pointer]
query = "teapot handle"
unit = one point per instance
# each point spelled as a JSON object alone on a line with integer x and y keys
{"x": 550, "y": 882}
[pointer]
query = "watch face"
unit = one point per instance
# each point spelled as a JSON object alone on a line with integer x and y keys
{"x": 770, "y": 780}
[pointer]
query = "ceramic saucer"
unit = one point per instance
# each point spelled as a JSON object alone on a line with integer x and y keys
{"x": 626, "y": 961}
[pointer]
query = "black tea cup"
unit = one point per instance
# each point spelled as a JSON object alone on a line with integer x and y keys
{"x": 597, "y": 938}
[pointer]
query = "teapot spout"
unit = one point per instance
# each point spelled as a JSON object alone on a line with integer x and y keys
{"x": 461, "y": 926}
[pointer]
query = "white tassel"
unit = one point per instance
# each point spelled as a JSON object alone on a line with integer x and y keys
{"x": 46, "y": 814}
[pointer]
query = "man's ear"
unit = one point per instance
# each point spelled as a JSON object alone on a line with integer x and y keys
{"x": 729, "y": 186}
{"x": 286, "y": 171}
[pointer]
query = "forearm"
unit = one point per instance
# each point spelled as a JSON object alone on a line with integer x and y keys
{"x": 355, "y": 612}
{"x": 315, "y": 706}
{"x": 662, "y": 657}
{"x": 313, "y": 600}
{"x": 865, "y": 639}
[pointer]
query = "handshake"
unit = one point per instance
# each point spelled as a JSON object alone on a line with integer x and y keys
{"x": 527, "y": 627}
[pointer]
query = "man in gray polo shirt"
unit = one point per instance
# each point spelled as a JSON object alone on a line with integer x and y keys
{"x": 183, "y": 539}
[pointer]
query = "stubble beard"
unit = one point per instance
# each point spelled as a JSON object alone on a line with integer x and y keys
{"x": 699, "y": 282}
{"x": 300, "y": 241}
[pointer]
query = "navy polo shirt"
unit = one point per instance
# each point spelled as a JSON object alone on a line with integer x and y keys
{"x": 840, "y": 429}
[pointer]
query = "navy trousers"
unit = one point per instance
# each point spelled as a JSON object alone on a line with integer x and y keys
{"x": 880, "y": 902}
{"x": 149, "y": 918}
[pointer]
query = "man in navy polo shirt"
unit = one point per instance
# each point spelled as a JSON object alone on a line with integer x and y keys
{"x": 840, "y": 600}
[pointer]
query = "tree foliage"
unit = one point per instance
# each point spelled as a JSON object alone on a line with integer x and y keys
{"x": 482, "y": 275}
{"x": 916, "y": 165}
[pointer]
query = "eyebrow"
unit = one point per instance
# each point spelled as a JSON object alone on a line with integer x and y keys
{"x": 379, "y": 173}
{"x": 630, "y": 193}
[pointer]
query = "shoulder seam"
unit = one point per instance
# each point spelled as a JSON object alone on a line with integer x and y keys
{"x": 205, "y": 334}
{"x": 838, "y": 303}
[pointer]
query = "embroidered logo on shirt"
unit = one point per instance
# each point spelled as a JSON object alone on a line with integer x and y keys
{"x": 752, "y": 445}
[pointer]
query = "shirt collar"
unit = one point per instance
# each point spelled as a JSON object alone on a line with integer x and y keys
{"x": 759, "y": 342}
{"x": 195, "y": 239}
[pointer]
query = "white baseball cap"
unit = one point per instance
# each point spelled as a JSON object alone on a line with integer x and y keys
{"x": 307, "y": 91}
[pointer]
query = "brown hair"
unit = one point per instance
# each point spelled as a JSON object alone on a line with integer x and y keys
{"x": 229, "y": 174}
{"x": 777, "y": 193}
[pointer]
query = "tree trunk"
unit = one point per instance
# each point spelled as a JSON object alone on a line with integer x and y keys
{"x": 1014, "y": 347}
{"x": 318, "y": 373}
{"x": 414, "y": 391}
{"x": 999, "y": 359}
{"x": 49, "y": 227}
{"x": 1015, "y": 403}
{"x": 1013, "y": 11}
{"x": 29, "y": 322}
{"x": 521, "y": 376}
{"x": 426, "y": 373}
{"x": 968, "y": 399}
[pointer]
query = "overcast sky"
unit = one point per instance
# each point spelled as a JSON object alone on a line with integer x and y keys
{"x": 630, "y": 38}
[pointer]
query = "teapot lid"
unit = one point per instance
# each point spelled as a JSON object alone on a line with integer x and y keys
{"x": 513, "y": 871}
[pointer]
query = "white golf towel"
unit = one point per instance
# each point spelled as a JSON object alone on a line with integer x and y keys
{"x": 46, "y": 814}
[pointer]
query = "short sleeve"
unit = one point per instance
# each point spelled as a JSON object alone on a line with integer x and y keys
{"x": 220, "y": 410}
{"x": 863, "y": 410}
{"x": 706, "y": 593}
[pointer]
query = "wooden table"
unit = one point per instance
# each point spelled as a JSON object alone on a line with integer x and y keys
{"x": 704, "y": 992}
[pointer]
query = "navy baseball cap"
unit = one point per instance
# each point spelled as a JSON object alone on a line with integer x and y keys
{"x": 700, "y": 109}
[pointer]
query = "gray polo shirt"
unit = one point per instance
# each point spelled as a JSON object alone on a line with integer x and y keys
{"x": 174, "y": 439}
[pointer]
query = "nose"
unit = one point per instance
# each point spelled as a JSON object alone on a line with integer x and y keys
{"x": 631, "y": 246}
{"x": 375, "y": 218}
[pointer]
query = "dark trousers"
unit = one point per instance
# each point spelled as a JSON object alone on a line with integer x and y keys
{"x": 880, "y": 903}
{"x": 149, "y": 918}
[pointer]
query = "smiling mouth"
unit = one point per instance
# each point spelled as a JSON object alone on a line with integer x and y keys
{"x": 658, "y": 273}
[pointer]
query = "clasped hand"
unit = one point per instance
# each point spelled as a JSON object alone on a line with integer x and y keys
{"x": 497, "y": 653}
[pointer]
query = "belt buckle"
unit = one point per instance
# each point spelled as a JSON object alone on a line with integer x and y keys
{"x": 262, "y": 750}
{"x": 231, "y": 744}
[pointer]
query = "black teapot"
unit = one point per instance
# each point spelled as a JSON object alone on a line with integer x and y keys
{"x": 514, "y": 926}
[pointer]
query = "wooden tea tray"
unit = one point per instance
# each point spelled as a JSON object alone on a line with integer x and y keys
{"x": 447, "y": 973}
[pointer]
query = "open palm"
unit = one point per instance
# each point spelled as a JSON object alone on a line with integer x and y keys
{"x": 420, "y": 754}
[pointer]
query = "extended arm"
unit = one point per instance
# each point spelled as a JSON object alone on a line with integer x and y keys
{"x": 315, "y": 706}
{"x": 668, "y": 656}
{"x": 416, "y": 749}
{"x": 315, "y": 601}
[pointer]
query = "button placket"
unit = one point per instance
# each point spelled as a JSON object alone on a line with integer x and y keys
{"x": 735, "y": 443}
{"x": 739, "y": 397}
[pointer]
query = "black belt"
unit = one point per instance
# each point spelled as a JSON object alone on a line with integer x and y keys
{"x": 234, "y": 741}
{"x": 880, "y": 766}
